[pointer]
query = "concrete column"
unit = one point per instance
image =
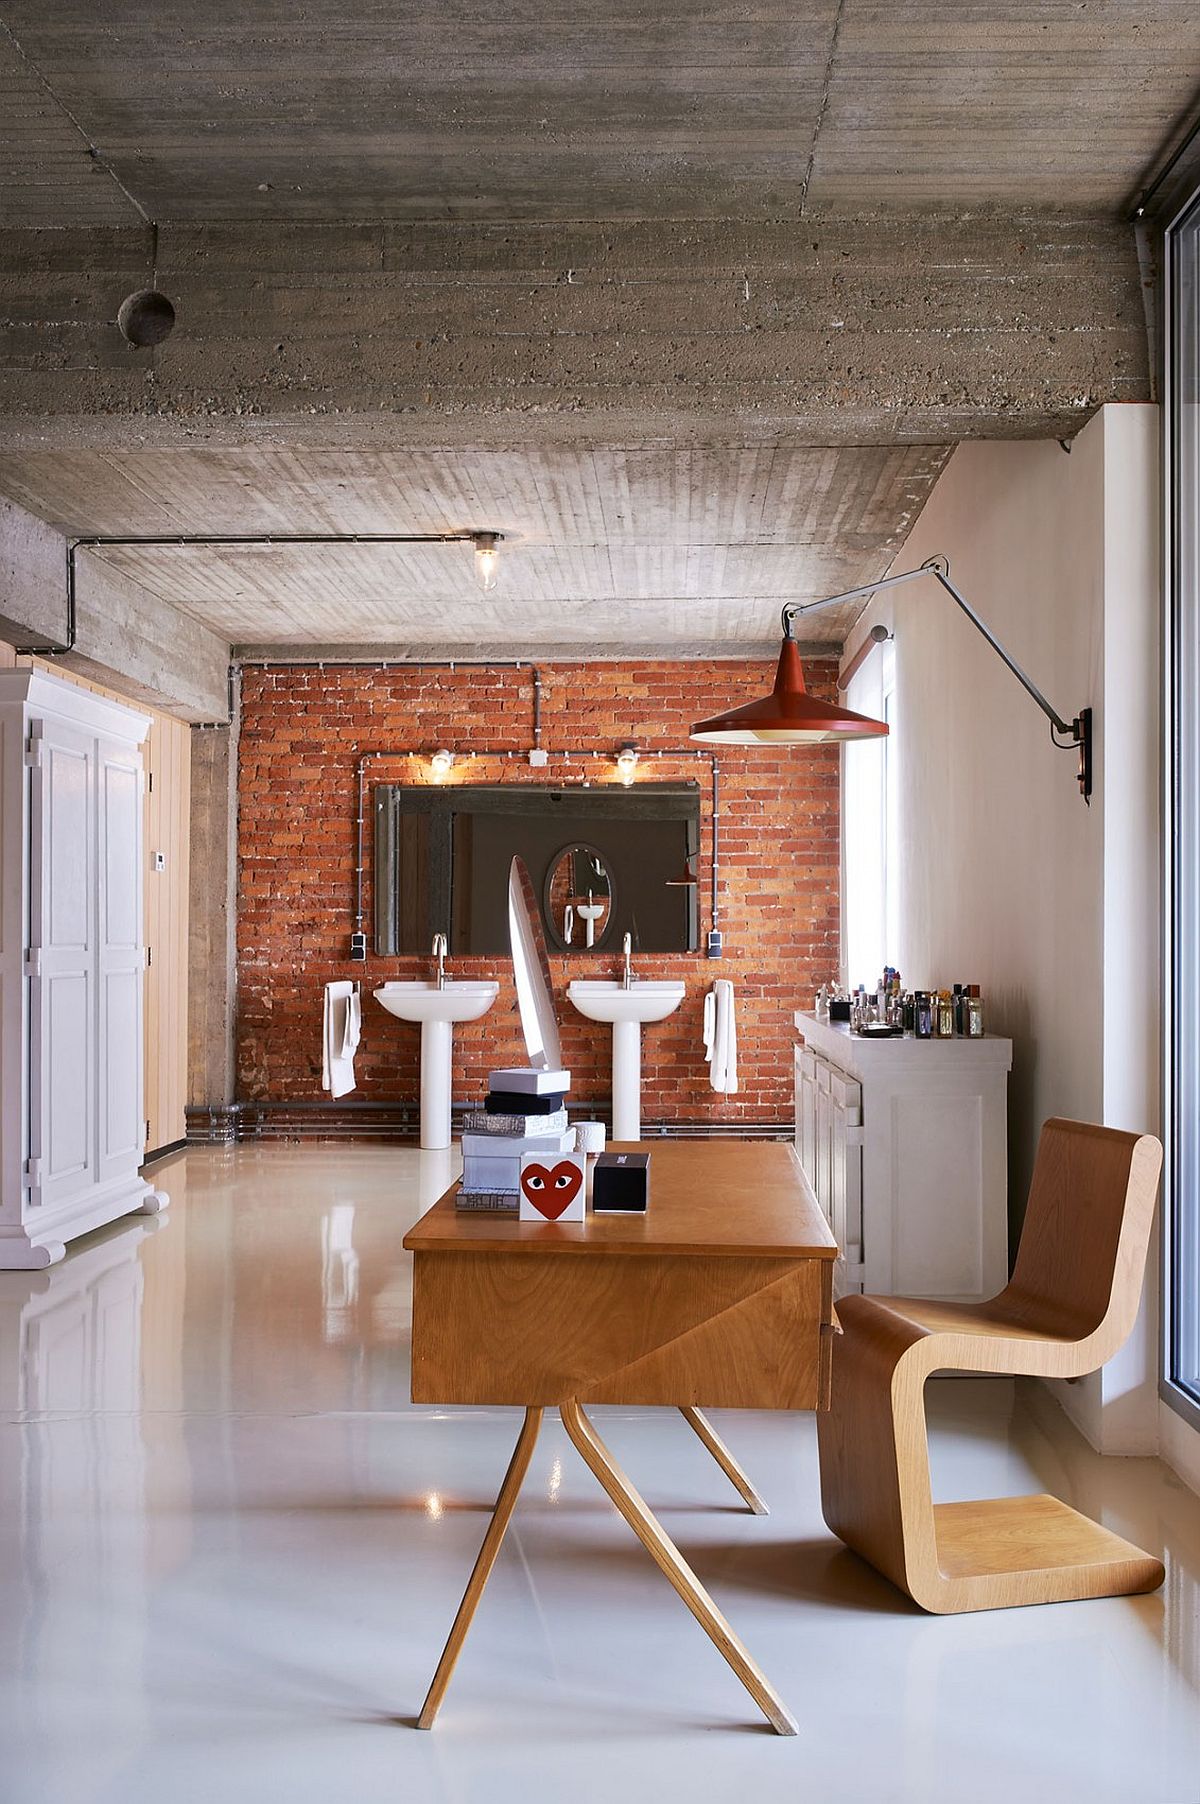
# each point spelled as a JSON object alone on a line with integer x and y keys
{"x": 212, "y": 933}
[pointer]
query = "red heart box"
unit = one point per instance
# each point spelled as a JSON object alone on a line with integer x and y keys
{"x": 551, "y": 1191}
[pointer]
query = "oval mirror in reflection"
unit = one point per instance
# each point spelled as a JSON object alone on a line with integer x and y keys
{"x": 578, "y": 898}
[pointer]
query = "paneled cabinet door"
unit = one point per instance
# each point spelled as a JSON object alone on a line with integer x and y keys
{"x": 806, "y": 1113}
{"x": 62, "y": 1002}
{"x": 845, "y": 1176}
{"x": 121, "y": 956}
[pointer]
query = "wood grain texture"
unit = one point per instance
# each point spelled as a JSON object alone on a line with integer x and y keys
{"x": 485, "y": 1560}
{"x": 1070, "y": 1305}
{"x": 670, "y": 1562}
{"x": 723, "y": 1199}
{"x": 727, "y": 1333}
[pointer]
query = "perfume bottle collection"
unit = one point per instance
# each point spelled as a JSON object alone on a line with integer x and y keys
{"x": 890, "y": 1010}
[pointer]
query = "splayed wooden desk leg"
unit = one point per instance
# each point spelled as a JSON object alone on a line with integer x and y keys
{"x": 672, "y": 1564}
{"x": 720, "y": 1452}
{"x": 501, "y": 1517}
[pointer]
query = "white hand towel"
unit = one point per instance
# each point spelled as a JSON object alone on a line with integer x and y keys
{"x": 341, "y": 1028}
{"x": 723, "y": 1070}
{"x": 352, "y": 1031}
{"x": 710, "y": 1024}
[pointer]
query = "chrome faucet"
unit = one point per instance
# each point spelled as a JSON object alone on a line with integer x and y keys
{"x": 439, "y": 952}
{"x": 627, "y": 949}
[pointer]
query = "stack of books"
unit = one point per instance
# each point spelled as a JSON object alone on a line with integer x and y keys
{"x": 525, "y": 1112}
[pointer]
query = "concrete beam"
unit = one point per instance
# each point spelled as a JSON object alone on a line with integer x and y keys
{"x": 125, "y": 637}
{"x": 821, "y": 331}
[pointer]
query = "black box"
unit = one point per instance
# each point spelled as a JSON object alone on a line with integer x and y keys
{"x": 621, "y": 1184}
{"x": 519, "y": 1102}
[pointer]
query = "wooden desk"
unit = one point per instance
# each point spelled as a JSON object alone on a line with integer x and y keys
{"x": 720, "y": 1296}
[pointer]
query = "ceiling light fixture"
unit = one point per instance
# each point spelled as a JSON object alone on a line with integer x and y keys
{"x": 627, "y": 763}
{"x": 441, "y": 764}
{"x": 487, "y": 558}
{"x": 790, "y": 716}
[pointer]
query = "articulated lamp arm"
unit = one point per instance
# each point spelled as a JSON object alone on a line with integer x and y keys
{"x": 1064, "y": 733}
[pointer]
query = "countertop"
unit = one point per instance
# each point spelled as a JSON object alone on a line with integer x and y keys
{"x": 834, "y": 1040}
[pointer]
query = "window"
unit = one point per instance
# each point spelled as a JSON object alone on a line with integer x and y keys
{"x": 870, "y": 817}
{"x": 1182, "y": 489}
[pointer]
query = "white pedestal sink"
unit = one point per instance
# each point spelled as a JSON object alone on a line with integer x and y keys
{"x": 605, "y": 999}
{"x": 436, "y": 1011}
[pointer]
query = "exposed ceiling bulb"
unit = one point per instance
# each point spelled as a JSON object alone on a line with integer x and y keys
{"x": 487, "y": 558}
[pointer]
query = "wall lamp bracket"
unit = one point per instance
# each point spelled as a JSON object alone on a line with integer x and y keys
{"x": 1067, "y": 735}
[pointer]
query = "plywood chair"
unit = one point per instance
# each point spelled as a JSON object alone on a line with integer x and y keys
{"x": 1070, "y": 1304}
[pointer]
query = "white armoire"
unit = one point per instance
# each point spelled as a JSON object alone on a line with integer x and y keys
{"x": 72, "y": 964}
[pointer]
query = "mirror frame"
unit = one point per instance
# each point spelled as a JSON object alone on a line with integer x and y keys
{"x": 560, "y": 944}
{"x": 393, "y": 804}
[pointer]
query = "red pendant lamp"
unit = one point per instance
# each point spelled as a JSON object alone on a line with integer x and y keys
{"x": 789, "y": 715}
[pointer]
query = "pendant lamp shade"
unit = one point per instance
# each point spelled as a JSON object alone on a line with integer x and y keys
{"x": 687, "y": 878}
{"x": 789, "y": 715}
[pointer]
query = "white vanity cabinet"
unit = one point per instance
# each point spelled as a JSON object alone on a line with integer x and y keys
{"x": 72, "y": 964}
{"x": 905, "y": 1143}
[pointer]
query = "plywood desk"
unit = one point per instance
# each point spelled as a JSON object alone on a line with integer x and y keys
{"x": 720, "y": 1296}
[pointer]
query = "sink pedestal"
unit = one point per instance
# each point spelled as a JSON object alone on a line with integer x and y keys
{"x": 627, "y": 1080}
{"x": 628, "y": 1010}
{"x": 435, "y": 1011}
{"x": 437, "y": 1063}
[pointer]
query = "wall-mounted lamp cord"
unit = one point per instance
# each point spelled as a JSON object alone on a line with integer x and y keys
{"x": 1075, "y": 734}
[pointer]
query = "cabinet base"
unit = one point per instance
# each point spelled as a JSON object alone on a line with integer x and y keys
{"x": 40, "y": 1243}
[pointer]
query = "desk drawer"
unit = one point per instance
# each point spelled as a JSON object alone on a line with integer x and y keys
{"x": 519, "y": 1328}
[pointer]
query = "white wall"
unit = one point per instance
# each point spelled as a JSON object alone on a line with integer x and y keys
{"x": 1004, "y": 877}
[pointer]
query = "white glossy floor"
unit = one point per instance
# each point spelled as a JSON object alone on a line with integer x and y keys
{"x": 230, "y": 1551}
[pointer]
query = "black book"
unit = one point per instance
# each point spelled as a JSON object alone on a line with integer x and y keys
{"x": 514, "y": 1102}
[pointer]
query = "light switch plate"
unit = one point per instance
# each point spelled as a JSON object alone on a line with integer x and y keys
{"x": 160, "y": 861}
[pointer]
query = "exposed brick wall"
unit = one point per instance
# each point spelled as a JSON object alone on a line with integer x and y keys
{"x": 302, "y": 732}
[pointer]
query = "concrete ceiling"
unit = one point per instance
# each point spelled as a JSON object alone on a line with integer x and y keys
{"x": 543, "y": 109}
{"x": 269, "y": 142}
{"x": 616, "y": 549}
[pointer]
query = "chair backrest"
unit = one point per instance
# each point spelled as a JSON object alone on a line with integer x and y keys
{"x": 1082, "y": 1255}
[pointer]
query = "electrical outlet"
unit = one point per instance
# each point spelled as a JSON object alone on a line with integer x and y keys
{"x": 716, "y": 944}
{"x": 159, "y": 861}
{"x": 358, "y": 946}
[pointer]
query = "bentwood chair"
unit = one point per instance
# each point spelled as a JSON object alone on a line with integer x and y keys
{"x": 1070, "y": 1304}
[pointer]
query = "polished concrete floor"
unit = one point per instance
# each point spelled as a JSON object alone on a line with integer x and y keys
{"x": 230, "y": 1550}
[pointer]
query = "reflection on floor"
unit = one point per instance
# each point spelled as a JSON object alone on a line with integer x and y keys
{"x": 230, "y": 1550}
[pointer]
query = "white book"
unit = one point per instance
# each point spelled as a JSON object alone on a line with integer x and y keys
{"x": 491, "y": 1146}
{"x": 529, "y": 1081}
{"x": 492, "y": 1174}
{"x": 508, "y": 1127}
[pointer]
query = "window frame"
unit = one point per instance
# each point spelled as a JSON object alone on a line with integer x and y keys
{"x": 1181, "y": 1030}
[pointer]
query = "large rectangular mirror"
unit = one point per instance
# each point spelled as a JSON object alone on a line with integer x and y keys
{"x": 605, "y": 861}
